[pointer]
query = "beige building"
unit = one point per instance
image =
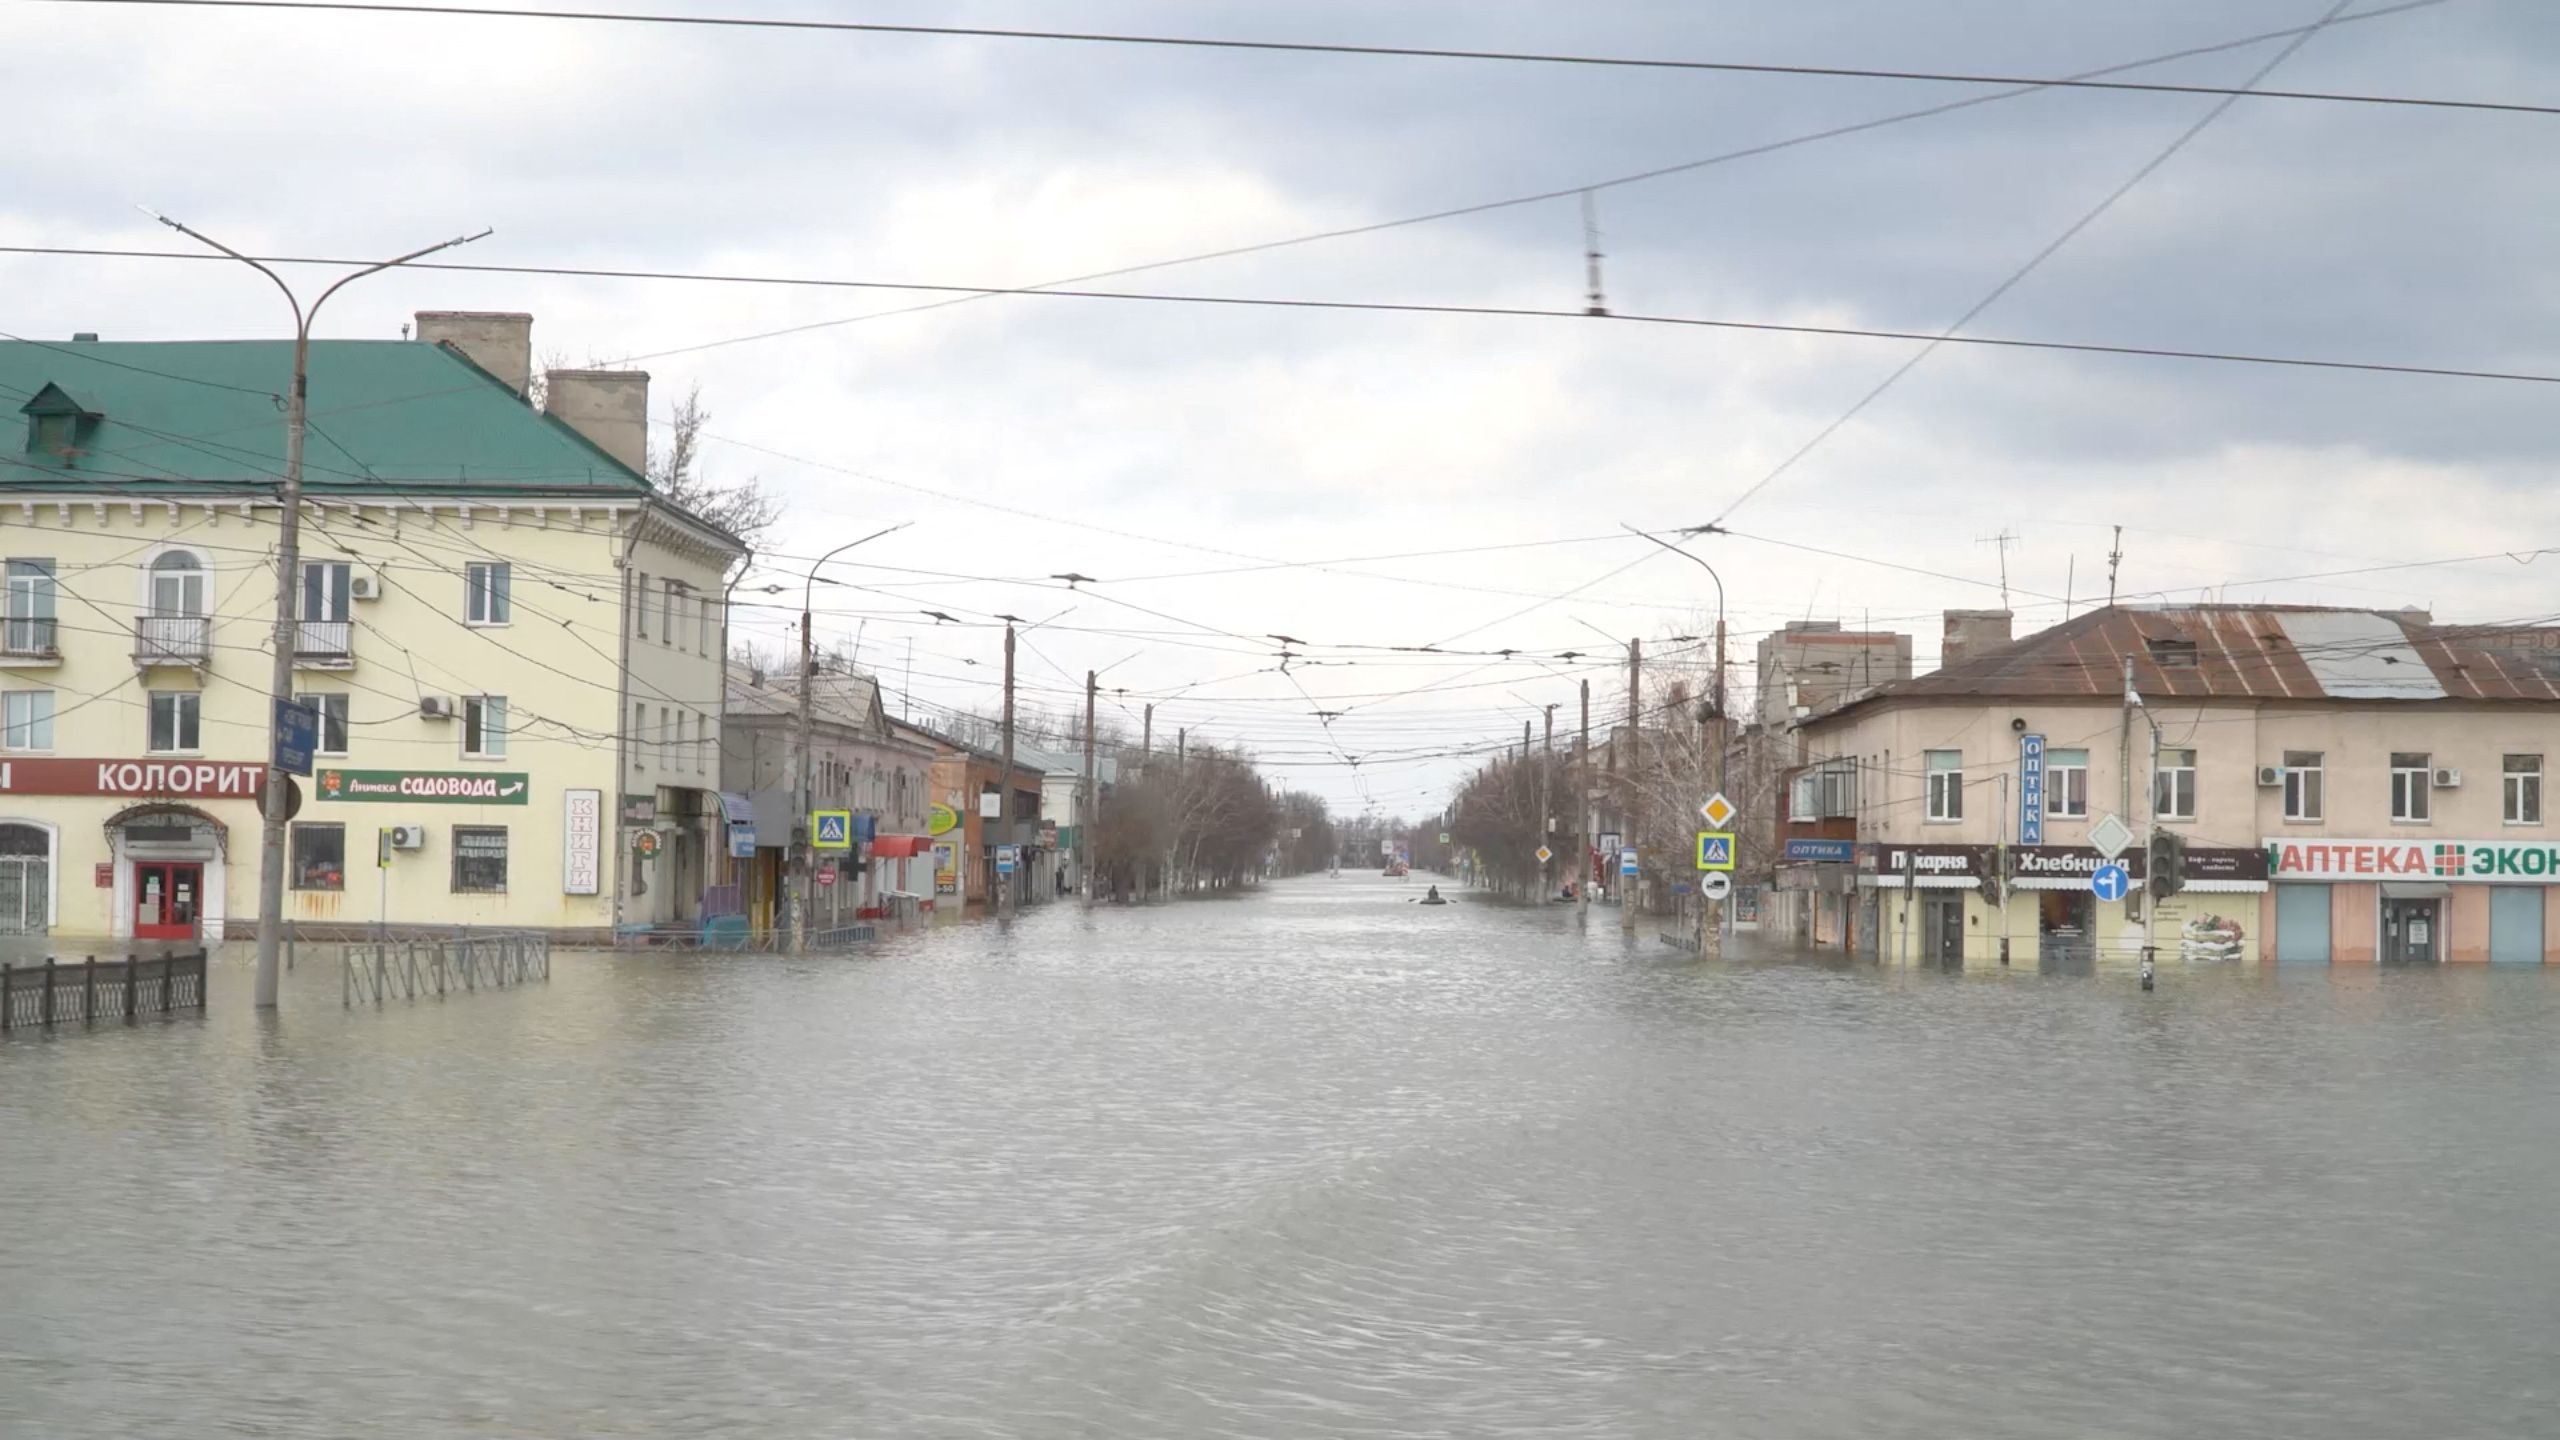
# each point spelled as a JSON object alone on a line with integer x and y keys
{"x": 510, "y": 646}
{"x": 2349, "y": 785}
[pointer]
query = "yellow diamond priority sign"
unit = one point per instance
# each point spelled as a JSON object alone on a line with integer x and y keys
{"x": 1718, "y": 812}
{"x": 1545, "y": 854}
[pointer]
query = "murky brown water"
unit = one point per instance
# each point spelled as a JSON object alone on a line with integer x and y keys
{"x": 1315, "y": 1162}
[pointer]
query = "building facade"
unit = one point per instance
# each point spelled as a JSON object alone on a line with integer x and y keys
{"x": 2347, "y": 786}
{"x": 508, "y": 644}
{"x": 980, "y": 816}
{"x": 859, "y": 764}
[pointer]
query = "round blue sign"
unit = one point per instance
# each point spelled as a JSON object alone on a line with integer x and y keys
{"x": 2110, "y": 882}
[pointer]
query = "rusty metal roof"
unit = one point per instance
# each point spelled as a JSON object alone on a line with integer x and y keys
{"x": 2253, "y": 652}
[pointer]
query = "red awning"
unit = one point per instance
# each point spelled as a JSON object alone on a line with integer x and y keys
{"x": 899, "y": 847}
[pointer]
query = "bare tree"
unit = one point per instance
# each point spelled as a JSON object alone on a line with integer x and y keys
{"x": 744, "y": 509}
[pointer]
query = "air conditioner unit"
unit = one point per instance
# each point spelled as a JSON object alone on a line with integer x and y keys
{"x": 364, "y": 587}
{"x": 435, "y": 707}
{"x": 408, "y": 837}
{"x": 2270, "y": 776}
{"x": 2448, "y": 778}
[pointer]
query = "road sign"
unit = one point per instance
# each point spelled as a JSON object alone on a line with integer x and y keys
{"x": 1716, "y": 885}
{"x": 1545, "y": 854}
{"x": 831, "y": 829}
{"x": 2110, "y": 836}
{"x": 1715, "y": 850}
{"x": 1004, "y": 859}
{"x": 297, "y": 736}
{"x": 2110, "y": 882}
{"x": 1444, "y": 837}
{"x": 1718, "y": 812}
{"x": 827, "y": 872}
{"x": 1627, "y": 863}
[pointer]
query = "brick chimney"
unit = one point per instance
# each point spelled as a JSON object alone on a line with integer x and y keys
{"x": 609, "y": 407}
{"x": 498, "y": 341}
{"x": 1969, "y": 633}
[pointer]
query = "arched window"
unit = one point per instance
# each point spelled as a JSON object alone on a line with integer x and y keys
{"x": 177, "y": 584}
{"x": 26, "y": 884}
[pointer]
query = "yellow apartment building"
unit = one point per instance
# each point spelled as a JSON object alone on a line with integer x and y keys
{"x": 511, "y": 645}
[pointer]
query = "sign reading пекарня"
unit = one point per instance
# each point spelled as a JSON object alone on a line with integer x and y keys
{"x": 2494, "y": 862}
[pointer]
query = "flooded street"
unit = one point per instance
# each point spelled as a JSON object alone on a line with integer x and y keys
{"x": 1311, "y": 1162}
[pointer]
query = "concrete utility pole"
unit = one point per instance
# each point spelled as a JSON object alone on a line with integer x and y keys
{"x": 1547, "y": 788}
{"x": 806, "y": 902}
{"x": 1085, "y": 798}
{"x": 1582, "y": 815}
{"x": 1181, "y": 763}
{"x": 1713, "y": 918}
{"x": 297, "y": 419}
{"x": 1004, "y": 784}
{"x": 1627, "y": 885}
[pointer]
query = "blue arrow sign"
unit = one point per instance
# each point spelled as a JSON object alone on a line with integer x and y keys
{"x": 2110, "y": 882}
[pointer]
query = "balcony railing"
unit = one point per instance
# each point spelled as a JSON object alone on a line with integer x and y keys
{"x": 172, "y": 639}
{"x": 27, "y": 637}
{"x": 322, "y": 641}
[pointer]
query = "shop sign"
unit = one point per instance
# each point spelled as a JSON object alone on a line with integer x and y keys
{"x": 946, "y": 869}
{"x": 582, "y": 842}
{"x": 940, "y": 820}
{"x": 742, "y": 839}
{"x": 211, "y": 779}
{"x": 639, "y": 809}
{"x": 2067, "y": 862}
{"x": 1821, "y": 852}
{"x": 1953, "y": 861}
{"x": 2489, "y": 862}
{"x": 427, "y": 787}
{"x": 2030, "y": 789}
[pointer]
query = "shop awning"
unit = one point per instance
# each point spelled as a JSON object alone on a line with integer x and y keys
{"x": 899, "y": 847}
{"x": 735, "y": 809}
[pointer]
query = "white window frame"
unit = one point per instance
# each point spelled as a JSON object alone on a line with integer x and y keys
{"x": 488, "y": 594}
{"x": 32, "y": 734}
{"x": 332, "y": 710}
{"x": 486, "y": 714}
{"x": 506, "y": 862}
{"x": 2306, "y": 788}
{"x": 31, "y": 596}
{"x": 667, "y": 595}
{"x": 186, "y": 711}
{"x": 1945, "y": 769}
{"x": 2173, "y": 786}
{"x": 2059, "y": 783}
{"x": 197, "y": 603}
{"x": 335, "y": 582}
{"x": 2518, "y": 786}
{"x": 2412, "y": 789}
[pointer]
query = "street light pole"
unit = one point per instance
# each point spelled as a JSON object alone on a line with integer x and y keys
{"x": 288, "y": 567}
{"x": 1710, "y": 921}
{"x": 807, "y": 899}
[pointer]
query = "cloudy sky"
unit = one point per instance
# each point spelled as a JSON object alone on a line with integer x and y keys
{"x": 1197, "y": 458}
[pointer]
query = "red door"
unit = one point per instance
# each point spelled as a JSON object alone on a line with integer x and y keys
{"x": 167, "y": 897}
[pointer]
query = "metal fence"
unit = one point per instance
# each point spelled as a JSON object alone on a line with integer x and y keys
{"x": 56, "y": 994}
{"x": 380, "y": 970}
{"x": 739, "y": 938}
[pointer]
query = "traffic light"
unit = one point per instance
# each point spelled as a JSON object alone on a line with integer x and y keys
{"x": 2167, "y": 863}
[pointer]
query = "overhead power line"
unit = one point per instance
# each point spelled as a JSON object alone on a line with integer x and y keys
{"x": 1310, "y": 47}
{"x": 1510, "y": 312}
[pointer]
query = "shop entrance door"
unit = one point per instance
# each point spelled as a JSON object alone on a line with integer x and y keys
{"x": 168, "y": 896}
{"x": 1942, "y": 931}
{"x": 2412, "y": 932}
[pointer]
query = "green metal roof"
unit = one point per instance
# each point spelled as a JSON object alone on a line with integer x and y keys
{"x": 197, "y": 415}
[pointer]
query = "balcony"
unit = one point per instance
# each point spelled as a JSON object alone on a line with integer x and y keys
{"x": 172, "y": 640}
{"x": 323, "y": 644}
{"x": 27, "y": 641}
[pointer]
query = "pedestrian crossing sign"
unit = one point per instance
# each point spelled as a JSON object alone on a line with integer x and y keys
{"x": 1715, "y": 850}
{"x": 831, "y": 829}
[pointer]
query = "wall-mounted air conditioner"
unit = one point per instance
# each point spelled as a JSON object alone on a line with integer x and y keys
{"x": 408, "y": 837}
{"x": 2448, "y": 778}
{"x": 435, "y": 707}
{"x": 364, "y": 587}
{"x": 2270, "y": 776}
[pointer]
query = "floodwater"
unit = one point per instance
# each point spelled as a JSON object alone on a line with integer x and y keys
{"x": 1311, "y": 1162}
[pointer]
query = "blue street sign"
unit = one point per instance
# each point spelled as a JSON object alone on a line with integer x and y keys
{"x": 1627, "y": 863}
{"x": 1833, "y": 852}
{"x": 831, "y": 829}
{"x": 1715, "y": 849}
{"x": 1004, "y": 859}
{"x": 297, "y": 736}
{"x": 2030, "y": 789}
{"x": 2110, "y": 882}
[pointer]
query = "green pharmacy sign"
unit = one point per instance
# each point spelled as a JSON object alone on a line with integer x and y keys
{"x": 425, "y": 787}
